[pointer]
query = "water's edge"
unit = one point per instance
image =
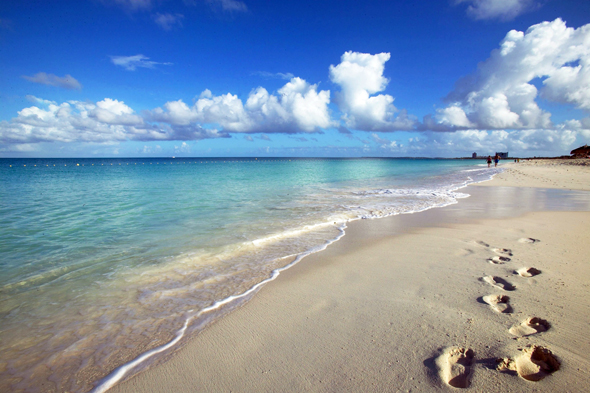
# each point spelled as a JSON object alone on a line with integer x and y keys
{"x": 139, "y": 364}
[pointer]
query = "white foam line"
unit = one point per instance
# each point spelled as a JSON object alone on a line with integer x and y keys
{"x": 451, "y": 193}
{"x": 291, "y": 233}
{"x": 117, "y": 374}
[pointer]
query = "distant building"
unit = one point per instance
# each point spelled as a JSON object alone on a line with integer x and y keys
{"x": 502, "y": 155}
{"x": 474, "y": 155}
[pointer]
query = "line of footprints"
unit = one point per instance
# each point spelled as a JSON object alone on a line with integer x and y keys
{"x": 534, "y": 363}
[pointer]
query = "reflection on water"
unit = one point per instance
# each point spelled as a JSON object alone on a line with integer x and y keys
{"x": 483, "y": 203}
{"x": 502, "y": 202}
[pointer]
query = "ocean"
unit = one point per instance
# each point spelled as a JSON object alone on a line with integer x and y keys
{"x": 109, "y": 264}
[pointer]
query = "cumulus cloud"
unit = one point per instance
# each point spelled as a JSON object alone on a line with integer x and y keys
{"x": 498, "y": 9}
{"x": 360, "y": 76}
{"x": 106, "y": 121}
{"x": 540, "y": 142}
{"x": 502, "y": 93}
{"x": 168, "y": 21}
{"x": 298, "y": 107}
{"x": 66, "y": 82}
{"x": 111, "y": 111}
{"x": 131, "y": 63}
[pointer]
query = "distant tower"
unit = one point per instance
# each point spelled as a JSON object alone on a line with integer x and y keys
{"x": 474, "y": 155}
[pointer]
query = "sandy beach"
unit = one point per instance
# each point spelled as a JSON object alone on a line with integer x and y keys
{"x": 490, "y": 295}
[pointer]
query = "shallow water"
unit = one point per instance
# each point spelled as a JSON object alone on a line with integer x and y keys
{"x": 103, "y": 260}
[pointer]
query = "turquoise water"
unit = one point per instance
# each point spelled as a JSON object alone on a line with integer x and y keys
{"x": 103, "y": 260}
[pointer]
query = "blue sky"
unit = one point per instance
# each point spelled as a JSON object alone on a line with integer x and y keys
{"x": 103, "y": 78}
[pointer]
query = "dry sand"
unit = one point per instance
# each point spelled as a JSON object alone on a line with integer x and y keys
{"x": 417, "y": 303}
{"x": 546, "y": 173}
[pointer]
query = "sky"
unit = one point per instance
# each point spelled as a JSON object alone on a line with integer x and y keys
{"x": 254, "y": 78}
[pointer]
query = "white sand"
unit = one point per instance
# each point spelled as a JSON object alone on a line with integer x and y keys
{"x": 397, "y": 304}
{"x": 565, "y": 174}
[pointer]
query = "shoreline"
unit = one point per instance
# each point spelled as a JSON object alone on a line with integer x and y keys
{"x": 225, "y": 355}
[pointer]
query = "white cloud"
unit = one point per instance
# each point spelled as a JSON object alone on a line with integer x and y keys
{"x": 454, "y": 116}
{"x": 168, "y": 21}
{"x": 385, "y": 143}
{"x": 540, "y": 142}
{"x": 502, "y": 93}
{"x": 299, "y": 107}
{"x": 498, "y": 9}
{"x": 226, "y": 110}
{"x": 106, "y": 121}
{"x": 66, "y": 82}
{"x": 39, "y": 101}
{"x": 115, "y": 112}
{"x": 131, "y": 63}
{"x": 360, "y": 76}
{"x": 20, "y": 148}
{"x": 151, "y": 149}
{"x": 184, "y": 148}
{"x": 278, "y": 75}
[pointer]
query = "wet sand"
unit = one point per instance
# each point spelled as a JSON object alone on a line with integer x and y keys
{"x": 490, "y": 294}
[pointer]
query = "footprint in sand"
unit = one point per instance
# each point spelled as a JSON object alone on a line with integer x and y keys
{"x": 530, "y": 326}
{"x": 498, "y": 260}
{"x": 499, "y": 283}
{"x": 498, "y": 303}
{"x": 455, "y": 366}
{"x": 528, "y": 240}
{"x": 527, "y": 271}
{"x": 504, "y": 251}
{"x": 482, "y": 243}
{"x": 534, "y": 364}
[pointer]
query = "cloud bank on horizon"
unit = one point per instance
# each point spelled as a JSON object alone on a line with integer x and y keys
{"x": 496, "y": 105}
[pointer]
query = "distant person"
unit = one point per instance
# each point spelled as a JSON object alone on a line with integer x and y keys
{"x": 489, "y": 161}
{"x": 496, "y": 160}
